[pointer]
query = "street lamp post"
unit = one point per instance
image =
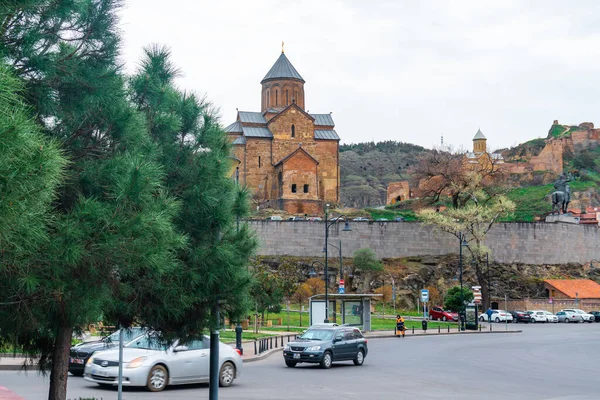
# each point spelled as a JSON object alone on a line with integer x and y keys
{"x": 327, "y": 225}
{"x": 341, "y": 262}
{"x": 462, "y": 242}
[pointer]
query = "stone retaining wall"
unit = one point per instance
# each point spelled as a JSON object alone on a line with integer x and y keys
{"x": 527, "y": 243}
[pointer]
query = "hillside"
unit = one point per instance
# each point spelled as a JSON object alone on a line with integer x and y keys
{"x": 367, "y": 168}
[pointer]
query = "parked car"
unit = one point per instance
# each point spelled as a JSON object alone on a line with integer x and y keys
{"x": 382, "y": 219}
{"x": 568, "y": 316}
{"x": 584, "y": 315}
{"x": 550, "y": 317}
{"x": 274, "y": 218}
{"x": 537, "y": 316}
{"x": 149, "y": 362}
{"x": 441, "y": 315}
{"x": 358, "y": 219}
{"x": 497, "y": 316}
{"x": 398, "y": 219}
{"x": 596, "y": 315}
{"x": 296, "y": 218}
{"x": 323, "y": 344}
{"x": 80, "y": 353}
{"x": 314, "y": 219}
{"x": 520, "y": 316}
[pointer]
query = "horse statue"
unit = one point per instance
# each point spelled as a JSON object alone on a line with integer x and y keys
{"x": 562, "y": 195}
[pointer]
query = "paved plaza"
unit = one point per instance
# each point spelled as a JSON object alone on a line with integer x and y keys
{"x": 557, "y": 361}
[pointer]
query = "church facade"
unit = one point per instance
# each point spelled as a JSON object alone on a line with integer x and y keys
{"x": 287, "y": 157}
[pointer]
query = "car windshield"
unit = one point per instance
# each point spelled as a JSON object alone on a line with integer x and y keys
{"x": 317, "y": 334}
{"x": 128, "y": 335}
{"x": 147, "y": 342}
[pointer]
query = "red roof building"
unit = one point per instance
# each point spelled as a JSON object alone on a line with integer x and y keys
{"x": 572, "y": 288}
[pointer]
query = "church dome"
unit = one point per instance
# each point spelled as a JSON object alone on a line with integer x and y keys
{"x": 282, "y": 69}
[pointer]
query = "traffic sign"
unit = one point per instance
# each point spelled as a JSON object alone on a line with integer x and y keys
{"x": 341, "y": 290}
{"x": 424, "y": 295}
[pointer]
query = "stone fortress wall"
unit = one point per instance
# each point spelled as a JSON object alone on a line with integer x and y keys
{"x": 527, "y": 243}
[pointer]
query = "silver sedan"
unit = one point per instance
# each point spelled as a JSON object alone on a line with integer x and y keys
{"x": 148, "y": 362}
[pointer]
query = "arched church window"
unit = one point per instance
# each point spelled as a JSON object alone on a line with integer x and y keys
{"x": 293, "y": 188}
{"x": 293, "y": 131}
{"x": 258, "y": 161}
{"x": 305, "y": 188}
{"x": 287, "y": 101}
{"x": 276, "y": 96}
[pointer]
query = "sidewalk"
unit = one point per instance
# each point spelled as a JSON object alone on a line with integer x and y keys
{"x": 275, "y": 343}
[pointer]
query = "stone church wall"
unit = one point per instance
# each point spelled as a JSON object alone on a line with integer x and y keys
{"x": 528, "y": 243}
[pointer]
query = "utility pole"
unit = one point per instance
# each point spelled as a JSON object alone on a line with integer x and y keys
{"x": 213, "y": 386}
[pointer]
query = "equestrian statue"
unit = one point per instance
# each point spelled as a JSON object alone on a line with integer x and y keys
{"x": 562, "y": 195}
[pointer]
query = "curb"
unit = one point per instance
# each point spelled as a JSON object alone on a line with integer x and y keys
{"x": 391, "y": 335}
{"x": 263, "y": 355}
{"x": 19, "y": 367}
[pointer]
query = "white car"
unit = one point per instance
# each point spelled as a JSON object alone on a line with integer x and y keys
{"x": 497, "y": 316}
{"x": 585, "y": 316}
{"x": 539, "y": 316}
{"x": 550, "y": 317}
{"x": 153, "y": 364}
{"x": 542, "y": 316}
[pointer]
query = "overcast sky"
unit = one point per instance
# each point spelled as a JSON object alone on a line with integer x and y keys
{"x": 390, "y": 70}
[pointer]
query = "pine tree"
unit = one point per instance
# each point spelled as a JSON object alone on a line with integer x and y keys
{"x": 112, "y": 244}
{"x": 195, "y": 152}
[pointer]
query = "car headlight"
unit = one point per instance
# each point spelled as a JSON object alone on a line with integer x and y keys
{"x": 90, "y": 361}
{"x": 313, "y": 348}
{"x": 287, "y": 347}
{"x": 136, "y": 362}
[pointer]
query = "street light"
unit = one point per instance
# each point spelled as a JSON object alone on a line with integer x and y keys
{"x": 462, "y": 242}
{"x": 341, "y": 262}
{"x": 347, "y": 228}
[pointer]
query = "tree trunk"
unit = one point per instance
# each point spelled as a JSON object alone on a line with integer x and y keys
{"x": 60, "y": 364}
{"x": 482, "y": 281}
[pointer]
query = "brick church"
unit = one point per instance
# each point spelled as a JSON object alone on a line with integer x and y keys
{"x": 287, "y": 157}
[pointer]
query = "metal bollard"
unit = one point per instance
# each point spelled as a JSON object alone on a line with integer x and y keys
{"x": 413, "y": 330}
{"x": 439, "y": 328}
{"x": 448, "y": 328}
{"x": 254, "y": 346}
{"x": 479, "y": 328}
{"x": 490, "y": 326}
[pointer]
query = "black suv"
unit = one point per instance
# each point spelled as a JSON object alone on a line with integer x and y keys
{"x": 324, "y": 344}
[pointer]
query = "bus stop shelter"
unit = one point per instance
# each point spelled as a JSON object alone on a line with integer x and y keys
{"x": 344, "y": 309}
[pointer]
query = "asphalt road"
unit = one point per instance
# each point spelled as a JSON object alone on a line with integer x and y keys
{"x": 557, "y": 361}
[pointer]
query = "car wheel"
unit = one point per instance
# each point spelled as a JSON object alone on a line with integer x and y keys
{"x": 497, "y": 320}
{"x": 444, "y": 319}
{"x": 157, "y": 378}
{"x": 227, "y": 374}
{"x": 360, "y": 358}
{"x": 76, "y": 373}
{"x": 290, "y": 364}
{"x": 326, "y": 361}
{"x": 567, "y": 320}
{"x": 533, "y": 320}
{"x": 481, "y": 319}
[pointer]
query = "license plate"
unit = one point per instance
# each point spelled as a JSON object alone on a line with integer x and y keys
{"x": 100, "y": 372}
{"x": 76, "y": 360}
{"x": 297, "y": 355}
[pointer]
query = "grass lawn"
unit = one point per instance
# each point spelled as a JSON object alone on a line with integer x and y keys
{"x": 230, "y": 335}
{"x": 378, "y": 323}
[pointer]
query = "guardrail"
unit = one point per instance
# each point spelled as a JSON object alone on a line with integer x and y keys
{"x": 273, "y": 342}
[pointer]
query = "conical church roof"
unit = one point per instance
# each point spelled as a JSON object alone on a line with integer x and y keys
{"x": 282, "y": 69}
{"x": 479, "y": 135}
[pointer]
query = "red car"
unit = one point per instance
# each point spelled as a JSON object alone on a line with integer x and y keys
{"x": 441, "y": 315}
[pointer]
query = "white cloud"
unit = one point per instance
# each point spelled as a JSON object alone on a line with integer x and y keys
{"x": 402, "y": 70}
